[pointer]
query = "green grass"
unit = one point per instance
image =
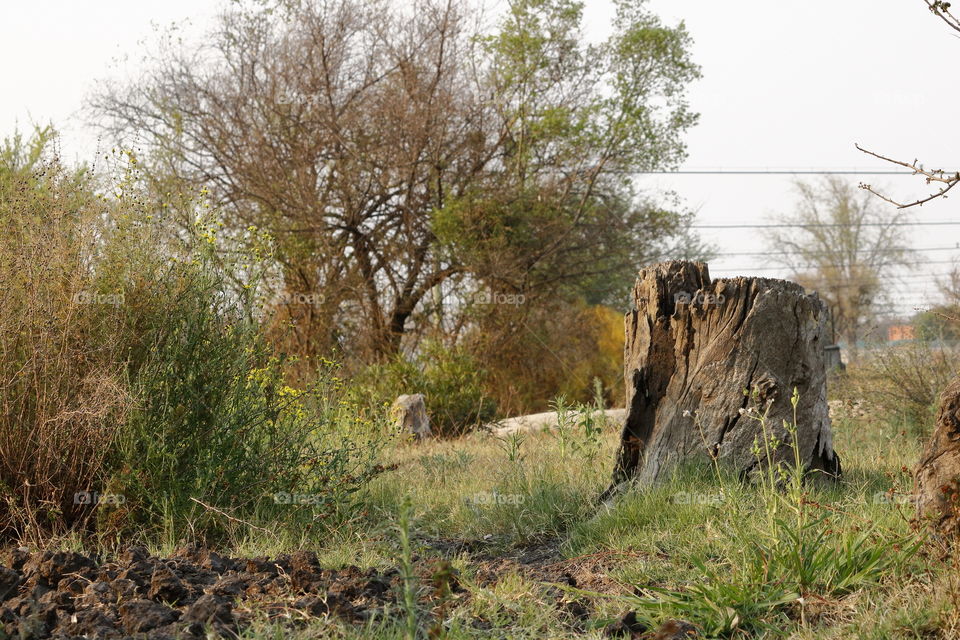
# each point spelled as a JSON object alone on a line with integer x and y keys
{"x": 736, "y": 560}
{"x": 739, "y": 561}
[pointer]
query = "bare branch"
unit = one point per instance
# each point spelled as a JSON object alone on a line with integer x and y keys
{"x": 949, "y": 180}
{"x": 941, "y": 9}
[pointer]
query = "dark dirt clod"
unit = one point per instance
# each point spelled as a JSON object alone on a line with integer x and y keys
{"x": 676, "y": 630}
{"x": 626, "y": 627}
{"x": 197, "y": 591}
{"x": 166, "y": 586}
{"x": 9, "y": 581}
{"x": 142, "y": 615}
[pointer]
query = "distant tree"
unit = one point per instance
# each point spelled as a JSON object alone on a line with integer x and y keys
{"x": 404, "y": 160}
{"x": 845, "y": 247}
{"x": 950, "y": 287}
{"x": 942, "y": 321}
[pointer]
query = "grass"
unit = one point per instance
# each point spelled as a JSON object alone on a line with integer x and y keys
{"x": 736, "y": 560}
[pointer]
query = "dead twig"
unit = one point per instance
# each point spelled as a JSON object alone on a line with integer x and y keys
{"x": 949, "y": 180}
{"x": 234, "y": 519}
{"x": 941, "y": 9}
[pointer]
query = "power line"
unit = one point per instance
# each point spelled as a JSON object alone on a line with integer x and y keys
{"x": 909, "y": 276}
{"x": 779, "y": 172}
{"x": 818, "y": 266}
{"x": 792, "y": 253}
{"x": 823, "y": 225}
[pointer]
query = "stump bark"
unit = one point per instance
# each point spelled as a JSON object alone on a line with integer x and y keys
{"x": 693, "y": 346}
{"x": 937, "y": 475}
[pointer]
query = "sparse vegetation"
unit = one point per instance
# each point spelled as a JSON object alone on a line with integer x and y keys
{"x": 338, "y": 202}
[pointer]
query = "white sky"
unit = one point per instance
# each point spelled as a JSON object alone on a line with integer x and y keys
{"x": 786, "y": 85}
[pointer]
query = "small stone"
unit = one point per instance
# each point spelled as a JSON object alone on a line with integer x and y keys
{"x": 409, "y": 414}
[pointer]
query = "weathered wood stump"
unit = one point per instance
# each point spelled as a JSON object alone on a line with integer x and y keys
{"x": 937, "y": 476}
{"x": 693, "y": 346}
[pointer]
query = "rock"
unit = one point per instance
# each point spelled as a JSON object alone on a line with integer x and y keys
{"x": 693, "y": 345}
{"x": 138, "y": 616}
{"x": 409, "y": 414}
{"x": 546, "y": 420}
{"x": 937, "y": 475}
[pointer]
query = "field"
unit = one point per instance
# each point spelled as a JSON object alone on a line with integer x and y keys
{"x": 481, "y": 537}
{"x": 308, "y": 228}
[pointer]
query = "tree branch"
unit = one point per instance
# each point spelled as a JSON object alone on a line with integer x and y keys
{"x": 950, "y": 180}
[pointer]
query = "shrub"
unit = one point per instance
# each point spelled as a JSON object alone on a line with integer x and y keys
{"x": 61, "y": 385}
{"x": 216, "y": 429}
{"x": 132, "y": 368}
{"x": 533, "y": 353}
{"x": 902, "y": 383}
{"x": 450, "y": 379}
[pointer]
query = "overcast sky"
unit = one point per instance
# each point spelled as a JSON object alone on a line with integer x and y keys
{"x": 786, "y": 86}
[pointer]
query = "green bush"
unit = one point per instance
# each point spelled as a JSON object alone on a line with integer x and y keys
{"x": 215, "y": 429}
{"x": 134, "y": 374}
{"x": 449, "y": 378}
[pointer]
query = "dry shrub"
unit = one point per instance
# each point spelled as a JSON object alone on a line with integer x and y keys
{"x": 131, "y": 368}
{"x": 902, "y": 383}
{"x": 61, "y": 388}
{"x": 532, "y": 355}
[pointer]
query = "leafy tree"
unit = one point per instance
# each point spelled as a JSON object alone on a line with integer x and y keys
{"x": 404, "y": 161}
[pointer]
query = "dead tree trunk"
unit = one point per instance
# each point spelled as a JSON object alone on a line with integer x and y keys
{"x": 693, "y": 346}
{"x": 937, "y": 475}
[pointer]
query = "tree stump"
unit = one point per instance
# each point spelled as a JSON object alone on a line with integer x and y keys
{"x": 937, "y": 476}
{"x": 693, "y": 346}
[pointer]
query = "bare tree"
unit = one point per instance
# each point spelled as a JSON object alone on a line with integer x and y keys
{"x": 842, "y": 245}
